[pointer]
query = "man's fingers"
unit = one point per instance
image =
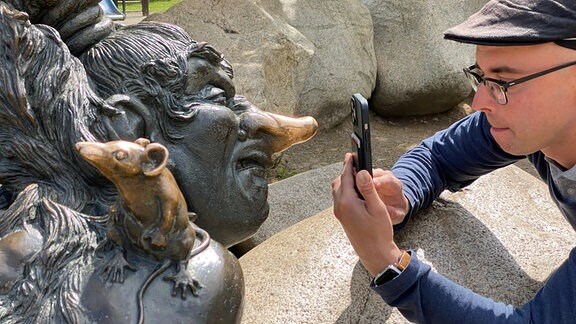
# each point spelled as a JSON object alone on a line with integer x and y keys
{"x": 347, "y": 176}
{"x": 379, "y": 172}
{"x": 343, "y": 192}
{"x": 383, "y": 176}
{"x": 336, "y": 182}
{"x": 368, "y": 190}
{"x": 344, "y": 163}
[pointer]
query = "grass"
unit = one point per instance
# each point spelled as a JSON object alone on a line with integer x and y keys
{"x": 154, "y": 6}
{"x": 280, "y": 170}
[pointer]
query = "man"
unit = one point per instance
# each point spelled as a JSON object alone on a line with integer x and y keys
{"x": 525, "y": 82}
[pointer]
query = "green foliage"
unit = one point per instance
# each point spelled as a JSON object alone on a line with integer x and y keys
{"x": 283, "y": 172}
{"x": 154, "y": 6}
{"x": 280, "y": 170}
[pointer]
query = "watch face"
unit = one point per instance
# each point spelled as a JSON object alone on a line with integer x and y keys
{"x": 390, "y": 273}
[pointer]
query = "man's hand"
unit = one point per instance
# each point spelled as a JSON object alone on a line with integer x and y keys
{"x": 390, "y": 191}
{"x": 366, "y": 222}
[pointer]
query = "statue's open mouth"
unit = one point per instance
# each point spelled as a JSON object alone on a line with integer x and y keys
{"x": 256, "y": 161}
{"x": 250, "y": 168}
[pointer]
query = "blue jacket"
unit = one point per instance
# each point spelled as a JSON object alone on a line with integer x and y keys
{"x": 452, "y": 159}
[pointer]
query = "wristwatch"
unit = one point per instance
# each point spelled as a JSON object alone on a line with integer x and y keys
{"x": 393, "y": 270}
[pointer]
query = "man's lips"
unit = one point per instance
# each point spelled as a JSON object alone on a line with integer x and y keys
{"x": 499, "y": 129}
{"x": 496, "y": 127}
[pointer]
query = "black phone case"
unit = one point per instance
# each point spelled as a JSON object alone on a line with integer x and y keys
{"x": 361, "y": 148}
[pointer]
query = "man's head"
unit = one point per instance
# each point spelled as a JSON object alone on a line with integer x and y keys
{"x": 172, "y": 90}
{"x": 525, "y": 74}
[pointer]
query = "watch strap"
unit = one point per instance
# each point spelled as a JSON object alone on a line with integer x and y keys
{"x": 404, "y": 261}
{"x": 393, "y": 270}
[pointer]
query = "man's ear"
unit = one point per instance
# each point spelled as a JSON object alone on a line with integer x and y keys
{"x": 154, "y": 159}
{"x": 130, "y": 121}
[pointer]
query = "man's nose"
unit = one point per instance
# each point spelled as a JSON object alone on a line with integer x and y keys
{"x": 283, "y": 131}
{"x": 483, "y": 99}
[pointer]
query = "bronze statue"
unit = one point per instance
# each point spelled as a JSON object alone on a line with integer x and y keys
{"x": 145, "y": 81}
{"x": 161, "y": 84}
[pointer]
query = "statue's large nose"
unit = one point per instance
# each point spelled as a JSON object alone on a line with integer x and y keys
{"x": 285, "y": 131}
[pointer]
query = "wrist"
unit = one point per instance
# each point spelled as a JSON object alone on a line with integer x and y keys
{"x": 393, "y": 270}
{"x": 407, "y": 205}
{"x": 390, "y": 257}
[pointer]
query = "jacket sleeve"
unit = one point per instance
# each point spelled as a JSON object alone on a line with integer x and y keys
{"x": 424, "y": 296}
{"x": 451, "y": 159}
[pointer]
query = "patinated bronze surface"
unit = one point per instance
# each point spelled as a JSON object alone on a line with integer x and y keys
{"x": 67, "y": 257}
{"x": 151, "y": 215}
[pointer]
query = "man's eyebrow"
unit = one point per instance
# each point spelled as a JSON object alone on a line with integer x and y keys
{"x": 501, "y": 69}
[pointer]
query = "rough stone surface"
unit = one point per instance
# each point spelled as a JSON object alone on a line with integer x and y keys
{"x": 291, "y": 57}
{"x": 419, "y": 72}
{"x": 501, "y": 237}
{"x": 294, "y": 199}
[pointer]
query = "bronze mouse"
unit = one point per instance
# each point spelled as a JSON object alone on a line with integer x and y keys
{"x": 151, "y": 215}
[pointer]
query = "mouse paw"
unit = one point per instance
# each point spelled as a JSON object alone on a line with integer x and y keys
{"x": 113, "y": 270}
{"x": 105, "y": 246}
{"x": 157, "y": 240}
{"x": 182, "y": 282}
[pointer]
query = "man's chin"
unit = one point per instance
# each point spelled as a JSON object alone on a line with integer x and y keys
{"x": 517, "y": 150}
{"x": 504, "y": 139}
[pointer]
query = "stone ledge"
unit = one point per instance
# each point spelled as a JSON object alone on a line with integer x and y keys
{"x": 292, "y": 200}
{"x": 504, "y": 224}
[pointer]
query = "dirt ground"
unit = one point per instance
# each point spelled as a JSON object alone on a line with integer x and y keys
{"x": 391, "y": 137}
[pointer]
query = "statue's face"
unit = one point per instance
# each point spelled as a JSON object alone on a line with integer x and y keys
{"x": 219, "y": 164}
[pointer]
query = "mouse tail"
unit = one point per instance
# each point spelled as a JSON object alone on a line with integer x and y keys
{"x": 159, "y": 269}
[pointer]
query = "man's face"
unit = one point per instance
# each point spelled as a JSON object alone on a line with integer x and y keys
{"x": 221, "y": 161}
{"x": 540, "y": 113}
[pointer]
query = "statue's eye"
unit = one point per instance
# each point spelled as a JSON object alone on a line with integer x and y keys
{"x": 121, "y": 155}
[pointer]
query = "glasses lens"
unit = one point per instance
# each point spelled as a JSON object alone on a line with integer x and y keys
{"x": 473, "y": 78}
{"x": 497, "y": 92}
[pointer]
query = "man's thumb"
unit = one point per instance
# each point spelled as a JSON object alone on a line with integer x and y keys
{"x": 366, "y": 185}
{"x": 367, "y": 188}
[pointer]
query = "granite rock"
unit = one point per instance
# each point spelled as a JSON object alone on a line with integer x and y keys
{"x": 291, "y": 57}
{"x": 501, "y": 237}
{"x": 418, "y": 71}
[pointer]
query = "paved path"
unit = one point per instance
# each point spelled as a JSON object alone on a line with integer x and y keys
{"x": 131, "y": 18}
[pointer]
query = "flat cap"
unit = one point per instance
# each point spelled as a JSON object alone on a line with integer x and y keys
{"x": 519, "y": 22}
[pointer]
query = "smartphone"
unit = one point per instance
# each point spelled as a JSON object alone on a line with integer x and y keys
{"x": 361, "y": 148}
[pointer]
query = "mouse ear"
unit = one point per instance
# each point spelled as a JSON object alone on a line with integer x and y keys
{"x": 154, "y": 160}
{"x": 142, "y": 142}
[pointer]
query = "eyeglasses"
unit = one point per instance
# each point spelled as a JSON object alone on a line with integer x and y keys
{"x": 498, "y": 88}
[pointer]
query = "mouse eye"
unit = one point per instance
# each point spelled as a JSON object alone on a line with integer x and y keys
{"x": 120, "y": 155}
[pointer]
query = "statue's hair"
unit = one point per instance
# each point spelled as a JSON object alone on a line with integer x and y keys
{"x": 46, "y": 106}
{"x": 149, "y": 61}
{"x": 53, "y": 278}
